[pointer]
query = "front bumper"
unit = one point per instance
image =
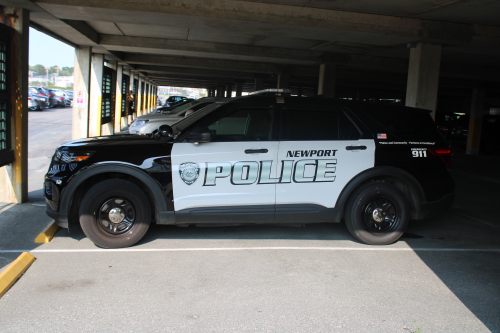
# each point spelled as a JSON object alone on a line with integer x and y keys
{"x": 61, "y": 218}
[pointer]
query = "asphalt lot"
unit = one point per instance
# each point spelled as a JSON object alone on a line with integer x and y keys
{"x": 442, "y": 276}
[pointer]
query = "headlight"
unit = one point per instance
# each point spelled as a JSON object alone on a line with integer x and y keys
{"x": 42, "y": 99}
{"x": 69, "y": 157}
{"x": 140, "y": 123}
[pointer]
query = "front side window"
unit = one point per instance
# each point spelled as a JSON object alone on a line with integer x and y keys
{"x": 243, "y": 125}
{"x": 317, "y": 125}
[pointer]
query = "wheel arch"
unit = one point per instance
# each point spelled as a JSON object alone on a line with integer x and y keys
{"x": 78, "y": 186}
{"x": 401, "y": 179}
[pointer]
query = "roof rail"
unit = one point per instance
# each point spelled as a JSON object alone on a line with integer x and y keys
{"x": 271, "y": 92}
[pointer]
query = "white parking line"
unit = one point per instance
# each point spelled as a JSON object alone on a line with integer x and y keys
{"x": 254, "y": 249}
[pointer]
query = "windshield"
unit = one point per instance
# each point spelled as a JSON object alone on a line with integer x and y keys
{"x": 192, "y": 118}
{"x": 180, "y": 108}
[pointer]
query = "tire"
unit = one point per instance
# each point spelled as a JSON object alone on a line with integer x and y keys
{"x": 36, "y": 108}
{"x": 369, "y": 204}
{"x": 115, "y": 196}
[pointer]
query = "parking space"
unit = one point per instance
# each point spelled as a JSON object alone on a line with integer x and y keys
{"x": 442, "y": 276}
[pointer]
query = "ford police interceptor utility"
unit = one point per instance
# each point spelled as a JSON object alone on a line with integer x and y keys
{"x": 264, "y": 158}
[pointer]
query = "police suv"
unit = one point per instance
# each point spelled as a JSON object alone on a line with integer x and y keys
{"x": 264, "y": 158}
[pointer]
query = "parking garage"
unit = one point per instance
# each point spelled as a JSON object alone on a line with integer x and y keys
{"x": 440, "y": 56}
{"x": 442, "y": 276}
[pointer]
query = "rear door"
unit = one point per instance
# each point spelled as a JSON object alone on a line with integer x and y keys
{"x": 227, "y": 180}
{"x": 320, "y": 151}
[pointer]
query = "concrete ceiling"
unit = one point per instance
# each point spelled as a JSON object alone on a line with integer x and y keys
{"x": 210, "y": 42}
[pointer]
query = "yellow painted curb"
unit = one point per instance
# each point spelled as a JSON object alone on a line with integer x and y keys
{"x": 14, "y": 271}
{"x": 48, "y": 233}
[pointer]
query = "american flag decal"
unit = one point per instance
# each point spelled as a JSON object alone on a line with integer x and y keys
{"x": 381, "y": 136}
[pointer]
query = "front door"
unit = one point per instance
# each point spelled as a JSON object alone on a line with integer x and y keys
{"x": 231, "y": 178}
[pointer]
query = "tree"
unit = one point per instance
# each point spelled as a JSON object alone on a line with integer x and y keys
{"x": 39, "y": 69}
{"x": 66, "y": 71}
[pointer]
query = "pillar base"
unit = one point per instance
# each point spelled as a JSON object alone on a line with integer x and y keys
{"x": 472, "y": 151}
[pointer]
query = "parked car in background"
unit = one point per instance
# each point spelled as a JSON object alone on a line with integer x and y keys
{"x": 62, "y": 98}
{"x": 31, "y": 103}
{"x": 167, "y": 109}
{"x": 454, "y": 127}
{"x": 44, "y": 92}
{"x": 149, "y": 123}
{"x": 40, "y": 101}
{"x": 172, "y": 100}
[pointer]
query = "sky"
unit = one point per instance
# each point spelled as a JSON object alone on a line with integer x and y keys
{"x": 48, "y": 51}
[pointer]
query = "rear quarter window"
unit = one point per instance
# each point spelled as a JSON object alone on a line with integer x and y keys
{"x": 404, "y": 124}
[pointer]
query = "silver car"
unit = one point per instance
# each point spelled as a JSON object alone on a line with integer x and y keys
{"x": 149, "y": 123}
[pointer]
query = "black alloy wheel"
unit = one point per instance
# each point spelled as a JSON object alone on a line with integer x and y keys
{"x": 377, "y": 213}
{"x": 115, "y": 213}
{"x": 381, "y": 215}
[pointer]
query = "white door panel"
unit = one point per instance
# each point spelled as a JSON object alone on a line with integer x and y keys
{"x": 227, "y": 176}
{"x": 320, "y": 170}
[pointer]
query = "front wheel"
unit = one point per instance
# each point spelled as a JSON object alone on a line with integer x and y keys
{"x": 115, "y": 213}
{"x": 377, "y": 214}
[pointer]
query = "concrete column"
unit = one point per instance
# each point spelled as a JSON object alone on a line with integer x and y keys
{"x": 131, "y": 87}
{"x": 144, "y": 99}
{"x": 118, "y": 99}
{"x": 143, "y": 96}
{"x": 138, "y": 107}
{"x": 125, "y": 120}
{"x": 258, "y": 84}
{"x": 423, "y": 77}
{"x": 327, "y": 80}
{"x": 148, "y": 96}
{"x": 14, "y": 176}
{"x": 96, "y": 70}
{"x": 220, "y": 91}
{"x": 475, "y": 122}
{"x": 283, "y": 80}
{"x": 239, "y": 88}
{"x": 81, "y": 92}
{"x": 229, "y": 90}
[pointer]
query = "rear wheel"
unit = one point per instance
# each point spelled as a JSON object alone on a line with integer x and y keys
{"x": 36, "y": 107}
{"x": 115, "y": 213}
{"x": 377, "y": 214}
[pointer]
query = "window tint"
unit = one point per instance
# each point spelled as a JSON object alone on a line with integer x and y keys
{"x": 347, "y": 130}
{"x": 405, "y": 124}
{"x": 199, "y": 106}
{"x": 243, "y": 125}
{"x": 307, "y": 125}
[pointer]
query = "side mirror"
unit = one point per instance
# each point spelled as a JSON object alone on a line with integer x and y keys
{"x": 165, "y": 131}
{"x": 201, "y": 134}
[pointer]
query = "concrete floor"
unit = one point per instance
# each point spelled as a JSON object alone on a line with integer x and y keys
{"x": 442, "y": 276}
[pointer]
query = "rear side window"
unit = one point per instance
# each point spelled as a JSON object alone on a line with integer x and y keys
{"x": 317, "y": 125}
{"x": 405, "y": 124}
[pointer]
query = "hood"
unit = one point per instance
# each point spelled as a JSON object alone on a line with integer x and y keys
{"x": 154, "y": 116}
{"x": 111, "y": 140}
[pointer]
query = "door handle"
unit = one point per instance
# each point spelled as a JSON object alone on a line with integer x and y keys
{"x": 355, "y": 148}
{"x": 255, "y": 151}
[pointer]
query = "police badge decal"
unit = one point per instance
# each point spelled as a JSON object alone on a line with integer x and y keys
{"x": 189, "y": 172}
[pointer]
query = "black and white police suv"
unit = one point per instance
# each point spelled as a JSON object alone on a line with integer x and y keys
{"x": 258, "y": 159}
